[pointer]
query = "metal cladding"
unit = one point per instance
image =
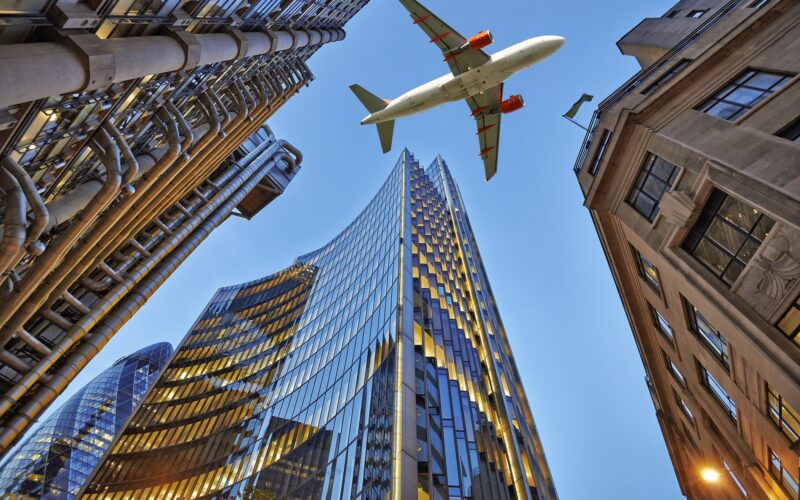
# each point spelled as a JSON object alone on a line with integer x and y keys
{"x": 57, "y": 458}
{"x": 128, "y": 132}
{"x": 374, "y": 367}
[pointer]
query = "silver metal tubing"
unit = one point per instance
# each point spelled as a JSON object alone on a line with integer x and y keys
{"x": 14, "y": 227}
{"x": 38, "y": 70}
{"x": 132, "y": 163}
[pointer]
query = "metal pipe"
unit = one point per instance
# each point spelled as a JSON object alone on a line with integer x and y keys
{"x": 76, "y": 332}
{"x": 186, "y": 130}
{"x": 33, "y": 342}
{"x": 14, "y": 362}
{"x": 14, "y": 227}
{"x": 134, "y": 204}
{"x": 40, "y": 213}
{"x": 298, "y": 155}
{"x": 228, "y": 150}
{"x": 130, "y": 160}
{"x": 39, "y": 70}
{"x": 48, "y": 261}
{"x": 125, "y": 309}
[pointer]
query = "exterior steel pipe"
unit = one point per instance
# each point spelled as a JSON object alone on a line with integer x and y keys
{"x": 78, "y": 264}
{"x": 14, "y": 227}
{"x": 220, "y": 154}
{"x": 39, "y": 70}
{"x": 298, "y": 156}
{"x": 18, "y": 308}
{"x": 40, "y": 213}
{"x": 131, "y": 162}
{"x": 45, "y": 264}
{"x": 133, "y": 301}
{"x": 82, "y": 327}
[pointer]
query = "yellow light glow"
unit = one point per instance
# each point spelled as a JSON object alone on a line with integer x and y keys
{"x": 710, "y": 475}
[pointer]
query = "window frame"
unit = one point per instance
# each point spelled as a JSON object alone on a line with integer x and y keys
{"x": 738, "y": 83}
{"x": 791, "y": 132}
{"x": 668, "y": 75}
{"x": 641, "y": 264}
{"x": 669, "y": 334}
{"x": 674, "y": 370}
{"x": 597, "y": 159}
{"x": 781, "y": 473}
{"x": 697, "y": 13}
{"x": 712, "y": 385}
{"x": 687, "y": 412}
{"x": 791, "y": 311}
{"x": 721, "y": 355}
{"x": 776, "y": 414}
{"x": 644, "y": 176}
{"x": 710, "y": 214}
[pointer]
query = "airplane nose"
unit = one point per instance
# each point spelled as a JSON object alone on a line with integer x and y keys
{"x": 555, "y": 42}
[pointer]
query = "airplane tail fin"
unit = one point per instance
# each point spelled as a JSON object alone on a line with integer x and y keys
{"x": 374, "y": 104}
{"x": 370, "y": 101}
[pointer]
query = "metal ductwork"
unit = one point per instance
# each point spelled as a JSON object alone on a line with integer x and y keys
{"x": 37, "y": 70}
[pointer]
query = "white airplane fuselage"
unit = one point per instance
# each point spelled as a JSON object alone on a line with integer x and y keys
{"x": 450, "y": 88}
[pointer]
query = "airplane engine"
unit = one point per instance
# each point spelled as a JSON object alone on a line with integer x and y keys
{"x": 512, "y": 104}
{"x": 481, "y": 40}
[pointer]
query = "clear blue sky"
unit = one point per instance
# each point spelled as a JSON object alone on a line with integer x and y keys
{"x": 569, "y": 334}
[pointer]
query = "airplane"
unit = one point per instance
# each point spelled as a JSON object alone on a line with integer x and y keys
{"x": 475, "y": 76}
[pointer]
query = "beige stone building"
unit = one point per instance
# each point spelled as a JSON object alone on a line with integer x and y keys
{"x": 691, "y": 174}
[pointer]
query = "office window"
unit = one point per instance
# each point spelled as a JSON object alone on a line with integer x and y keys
{"x": 684, "y": 407}
{"x": 647, "y": 270}
{"x": 669, "y": 75}
{"x": 662, "y": 324}
{"x": 697, "y": 13}
{"x": 783, "y": 415}
{"x": 711, "y": 337}
{"x": 718, "y": 392}
{"x": 792, "y": 132}
{"x": 673, "y": 13}
{"x": 601, "y": 151}
{"x": 790, "y": 323}
{"x": 673, "y": 368}
{"x": 782, "y": 475}
{"x": 655, "y": 179}
{"x": 744, "y": 93}
{"x": 727, "y": 235}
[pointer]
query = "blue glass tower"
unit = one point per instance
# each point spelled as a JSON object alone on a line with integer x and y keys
{"x": 375, "y": 367}
{"x": 57, "y": 458}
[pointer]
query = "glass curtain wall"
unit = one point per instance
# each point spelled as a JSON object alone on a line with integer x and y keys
{"x": 57, "y": 458}
{"x": 375, "y": 367}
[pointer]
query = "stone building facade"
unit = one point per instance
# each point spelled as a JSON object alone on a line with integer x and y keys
{"x": 691, "y": 174}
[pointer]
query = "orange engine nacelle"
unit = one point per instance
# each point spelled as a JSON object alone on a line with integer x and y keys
{"x": 512, "y": 104}
{"x": 481, "y": 40}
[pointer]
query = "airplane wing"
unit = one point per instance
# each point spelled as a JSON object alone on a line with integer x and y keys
{"x": 488, "y": 125}
{"x": 446, "y": 38}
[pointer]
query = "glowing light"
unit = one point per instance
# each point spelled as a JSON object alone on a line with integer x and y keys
{"x": 710, "y": 475}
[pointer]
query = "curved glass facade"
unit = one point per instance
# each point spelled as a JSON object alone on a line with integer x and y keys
{"x": 56, "y": 460}
{"x": 373, "y": 367}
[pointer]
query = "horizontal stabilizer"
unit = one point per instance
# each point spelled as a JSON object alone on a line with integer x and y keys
{"x": 370, "y": 101}
{"x": 385, "y": 132}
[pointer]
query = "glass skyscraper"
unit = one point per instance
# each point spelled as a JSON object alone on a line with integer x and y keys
{"x": 374, "y": 367}
{"x": 57, "y": 458}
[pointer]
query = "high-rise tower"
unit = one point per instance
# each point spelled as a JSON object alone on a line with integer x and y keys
{"x": 374, "y": 366}
{"x": 56, "y": 459}
{"x": 121, "y": 124}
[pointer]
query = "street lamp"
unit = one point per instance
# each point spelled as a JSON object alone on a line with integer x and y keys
{"x": 710, "y": 475}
